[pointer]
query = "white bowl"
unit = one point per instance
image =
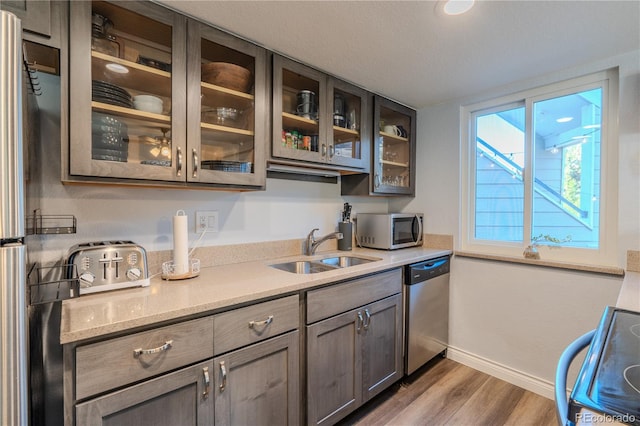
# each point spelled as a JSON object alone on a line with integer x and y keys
{"x": 148, "y": 103}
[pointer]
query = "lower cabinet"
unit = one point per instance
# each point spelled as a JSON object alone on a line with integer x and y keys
{"x": 170, "y": 376}
{"x": 242, "y": 366}
{"x": 259, "y": 384}
{"x": 183, "y": 397}
{"x": 334, "y": 370}
{"x": 352, "y": 356}
{"x": 382, "y": 362}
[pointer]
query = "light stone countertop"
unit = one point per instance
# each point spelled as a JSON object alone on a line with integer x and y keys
{"x": 217, "y": 288}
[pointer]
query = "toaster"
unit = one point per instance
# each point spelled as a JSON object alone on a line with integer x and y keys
{"x": 108, "y": 265}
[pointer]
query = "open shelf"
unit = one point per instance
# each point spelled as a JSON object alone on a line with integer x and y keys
{"x": 140, "y": 77}
{"x": 295, "y": 121}
{"x": 130, "y": 113}
{"x": 39, "y": 224}
{"x": 226, "y": 129}
{"x": 394, "y": 164}
{"x": 393, "y": 137}
{"x": 52, "y": 283}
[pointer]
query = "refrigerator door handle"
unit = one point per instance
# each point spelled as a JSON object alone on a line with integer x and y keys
{"x": 11, "y": 165}
{"x": 13, "y": 336}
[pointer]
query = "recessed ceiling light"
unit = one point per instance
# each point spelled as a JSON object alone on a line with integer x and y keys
{"x": 564, "y": 120}
{"x": 120, "y": 69}
{"x": 591, "y": 126}
{"x": 458, "y": 7}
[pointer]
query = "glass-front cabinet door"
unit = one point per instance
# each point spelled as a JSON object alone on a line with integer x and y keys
{"x": 349, "y": 134}
{"x": 127, "y": 85}
{"x": 300, "y": 120}
{"x": 318, "y": 118}
{"x": 226, "y": 112}
{"x": 394, "y": 148}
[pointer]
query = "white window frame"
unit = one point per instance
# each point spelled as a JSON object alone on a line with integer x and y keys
{"x": 606, "y": 254}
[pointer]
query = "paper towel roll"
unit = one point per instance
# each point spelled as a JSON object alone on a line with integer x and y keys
{"x": 180, "y": 243}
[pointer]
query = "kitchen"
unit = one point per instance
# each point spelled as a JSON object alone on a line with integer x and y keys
{"x": 546, "y": 307}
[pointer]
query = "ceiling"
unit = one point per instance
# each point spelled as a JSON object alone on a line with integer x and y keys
{"x": 411, "y": 52}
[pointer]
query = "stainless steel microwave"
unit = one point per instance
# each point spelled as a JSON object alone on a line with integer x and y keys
{"x": 389, "y": 231}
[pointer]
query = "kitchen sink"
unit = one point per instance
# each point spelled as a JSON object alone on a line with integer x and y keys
{"x": 345, "y": 261}
{"x": 321, "y": 265}
{"x": 303, "y": 267}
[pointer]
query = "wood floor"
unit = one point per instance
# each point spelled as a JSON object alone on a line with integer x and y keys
{"x": 445, "y": 392}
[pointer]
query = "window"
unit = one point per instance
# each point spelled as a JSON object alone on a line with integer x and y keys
{"x": 543, "y": 163}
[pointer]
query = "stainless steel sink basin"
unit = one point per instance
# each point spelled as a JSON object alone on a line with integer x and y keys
{"x": 303, "y": 267}
{"x": 321, "y": 265}
{"x": 345, "y": 261}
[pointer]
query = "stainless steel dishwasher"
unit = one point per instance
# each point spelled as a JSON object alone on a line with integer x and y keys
{"x": 426, "y": 311}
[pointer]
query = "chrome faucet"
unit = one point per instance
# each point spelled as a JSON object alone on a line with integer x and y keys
{"x": 311, "y": 244}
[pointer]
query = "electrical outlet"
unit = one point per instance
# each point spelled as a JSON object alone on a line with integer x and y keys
{"x": 207, "y": 220}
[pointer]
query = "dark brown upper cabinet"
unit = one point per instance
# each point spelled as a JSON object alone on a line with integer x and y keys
{"x": 145, "y": 108}
{"x": 318, "y": 120}
{"x": 394, "y": 153}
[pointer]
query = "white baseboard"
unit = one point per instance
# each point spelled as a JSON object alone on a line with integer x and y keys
{"x": 508, "y": 374}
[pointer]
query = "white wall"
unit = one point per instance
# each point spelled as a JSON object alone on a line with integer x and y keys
{"x": 510, "y": 319}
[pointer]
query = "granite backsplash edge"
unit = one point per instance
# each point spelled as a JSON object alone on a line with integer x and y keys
{"x": 247, "y": 252}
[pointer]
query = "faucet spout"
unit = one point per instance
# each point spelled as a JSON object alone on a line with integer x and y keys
{"x": 311, "y": 244}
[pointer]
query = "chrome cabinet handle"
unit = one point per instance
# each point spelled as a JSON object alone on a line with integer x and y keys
{"x": 324, "y": 150}
{"x": 207, "y": 381}
{"x": 253, "y": 324}
{"x": 360, "y": 321}
{"x": 195, "y": 163}
{"x": 367, "y": 319}
{"x": 223, "y": 372}
{"x": 331, "y": 151}
{"x": 179, "y": 162}
{"x": 376, "y": 180}
{"x": 167, "y": 345}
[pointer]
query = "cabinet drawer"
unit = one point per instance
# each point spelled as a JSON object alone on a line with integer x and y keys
{"x": 333, "y": 300}
{"x": 106, "y": 365}
{"x": 254, "y": 323}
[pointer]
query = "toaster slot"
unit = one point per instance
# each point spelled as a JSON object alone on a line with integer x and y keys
{"x": 117, "y": 259}
{"x": 104, "y": 263}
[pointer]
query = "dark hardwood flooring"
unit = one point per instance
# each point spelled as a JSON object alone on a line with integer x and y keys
{"x": 445, "y": 392}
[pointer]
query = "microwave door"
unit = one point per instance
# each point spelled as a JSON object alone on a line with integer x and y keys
{"x": 403, "y": 234}
{"x": 416, "y": 229}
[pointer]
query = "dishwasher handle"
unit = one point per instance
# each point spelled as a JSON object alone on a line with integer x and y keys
{"x": 426, "y": 270}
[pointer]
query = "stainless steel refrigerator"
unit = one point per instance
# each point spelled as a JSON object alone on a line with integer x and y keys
{"x": 13, "y": 305}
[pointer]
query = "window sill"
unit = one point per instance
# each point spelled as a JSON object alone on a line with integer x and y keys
{"x": 607, "y": 270}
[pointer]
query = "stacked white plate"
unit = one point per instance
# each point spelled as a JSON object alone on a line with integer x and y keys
{"x": 148, "y": 103}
